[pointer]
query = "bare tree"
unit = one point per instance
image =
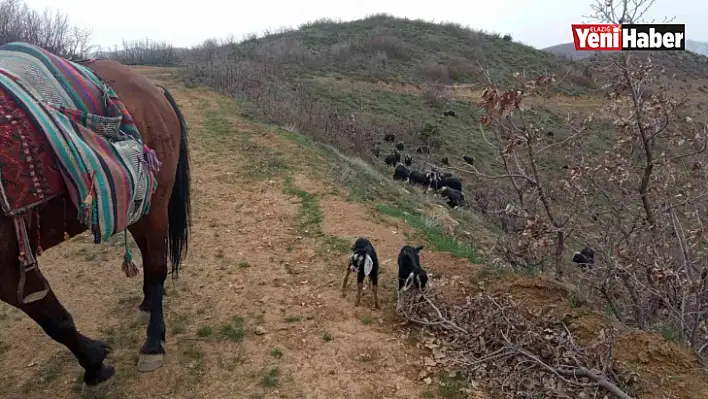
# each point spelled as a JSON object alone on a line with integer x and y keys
{"x": 51, "y": 31}
{"x": 144, "y": 52}
{"x": 640, "y": 202}
{"x": 649, "y": 195}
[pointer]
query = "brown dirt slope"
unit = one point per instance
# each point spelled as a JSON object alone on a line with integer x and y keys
{"x": 257, "y": 310}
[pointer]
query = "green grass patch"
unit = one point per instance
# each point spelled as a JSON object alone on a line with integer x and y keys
{"x": 263, "y": 162}
{"x": 271, "y": 378}
{"x": 310, "y": 214}
{"x": 216, "y": 124}
{"x": 437, "y": 239}
{"x": 205, "y": 332}
{"x": 337, "y": 244}
{"x": 234, "y": 331}
{"x": 276, "y": 353}
{"x": 671, "y": 334}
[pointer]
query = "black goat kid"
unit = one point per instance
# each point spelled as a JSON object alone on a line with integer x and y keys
{"x": 364, "y": 263}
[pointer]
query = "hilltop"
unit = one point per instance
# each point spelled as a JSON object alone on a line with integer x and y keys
{"x": 567, "y": 50}
{"x": 399, "y": 50}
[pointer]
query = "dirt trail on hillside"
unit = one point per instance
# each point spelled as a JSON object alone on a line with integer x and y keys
{"x": 256, "y": 311}
{"x": 473, "y": 93}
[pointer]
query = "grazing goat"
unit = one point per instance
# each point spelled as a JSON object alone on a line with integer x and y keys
{"x": 401, "y": 173}
{"x": 400, "y": 146}
{"x": 423, "y": 150}
{"x": 454, "y": 198}
{"x": 585, "y": 257}
{"x": 449, "y": 113}
{"x": 390, "y": 137}
{"x": 433, "y": 179}
{"x": 410, "y": 272}
{"x": 445, "y": 161}
{"x": 468, "y": 159}
{"x": 364, "y": 263}
{"x": 417, "y": 177}
{"x": 407, "y": 160}
{"x": 393, "y": 158}
{"x": 452, "y": 182}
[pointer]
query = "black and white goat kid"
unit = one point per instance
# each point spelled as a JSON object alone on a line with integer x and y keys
{"x": 410, "y": 272}
{"x": 364, "y": 263}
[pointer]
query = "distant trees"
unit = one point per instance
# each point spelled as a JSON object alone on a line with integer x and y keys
{"x": 49, "y": 30}
{"x": 54, "y": 32}
{"x": 143, "y": 52}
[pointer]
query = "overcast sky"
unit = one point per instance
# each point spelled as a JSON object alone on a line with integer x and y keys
{"x": 539, "y": 23}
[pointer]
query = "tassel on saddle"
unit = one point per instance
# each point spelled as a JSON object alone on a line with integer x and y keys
{"x": 129, "y": 267}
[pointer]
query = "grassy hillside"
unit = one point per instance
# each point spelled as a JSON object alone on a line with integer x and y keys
{"x": 562, "y": 173}
{"x": 348, "y": 84}
{"x": 393, "y": 75}
{"x": 402, "y": 50}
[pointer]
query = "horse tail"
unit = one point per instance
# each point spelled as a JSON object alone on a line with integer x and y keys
{"x": 179, "y": 208}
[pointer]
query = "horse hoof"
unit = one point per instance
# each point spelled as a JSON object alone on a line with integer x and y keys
{"x": 99, "y": 381}
{"x": 96, "y": 391}
{"x": 143, "y": 317}
{"x": 148, "y": 363}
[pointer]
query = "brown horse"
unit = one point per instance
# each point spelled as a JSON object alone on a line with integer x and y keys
{"x": 165, "y": 229}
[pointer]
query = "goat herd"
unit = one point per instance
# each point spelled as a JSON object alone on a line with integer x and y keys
{"x": 444, "y": 183}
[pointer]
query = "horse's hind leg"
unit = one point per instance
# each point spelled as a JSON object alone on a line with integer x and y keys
{"x": 56, "y": 321}
{"x": 149, "y": 233}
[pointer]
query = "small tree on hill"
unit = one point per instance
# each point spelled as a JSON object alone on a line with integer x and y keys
{"x": 647, "y": 195}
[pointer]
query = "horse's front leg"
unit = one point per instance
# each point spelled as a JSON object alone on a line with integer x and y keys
{"x": 153, "y": 247}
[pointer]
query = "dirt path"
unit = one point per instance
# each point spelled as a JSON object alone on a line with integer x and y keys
{"x": 257, "y": 310}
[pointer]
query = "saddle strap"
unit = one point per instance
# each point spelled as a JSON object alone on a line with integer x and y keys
{"x": 35, "y": 296}
{"x": 28, "y": 263}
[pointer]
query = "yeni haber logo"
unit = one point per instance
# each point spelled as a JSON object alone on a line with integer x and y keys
{"x": 616, "y": 37}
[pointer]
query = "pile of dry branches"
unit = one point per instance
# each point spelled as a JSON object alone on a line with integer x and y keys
{"x": 510, "y": 350}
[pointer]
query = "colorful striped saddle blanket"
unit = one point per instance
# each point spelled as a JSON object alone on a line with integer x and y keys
{"x": 63, "y": 128}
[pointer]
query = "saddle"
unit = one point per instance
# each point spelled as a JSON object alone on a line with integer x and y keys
{"x": 63, "y": 129}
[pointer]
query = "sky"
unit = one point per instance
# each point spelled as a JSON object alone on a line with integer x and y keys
{"x": 183, "y": 23}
